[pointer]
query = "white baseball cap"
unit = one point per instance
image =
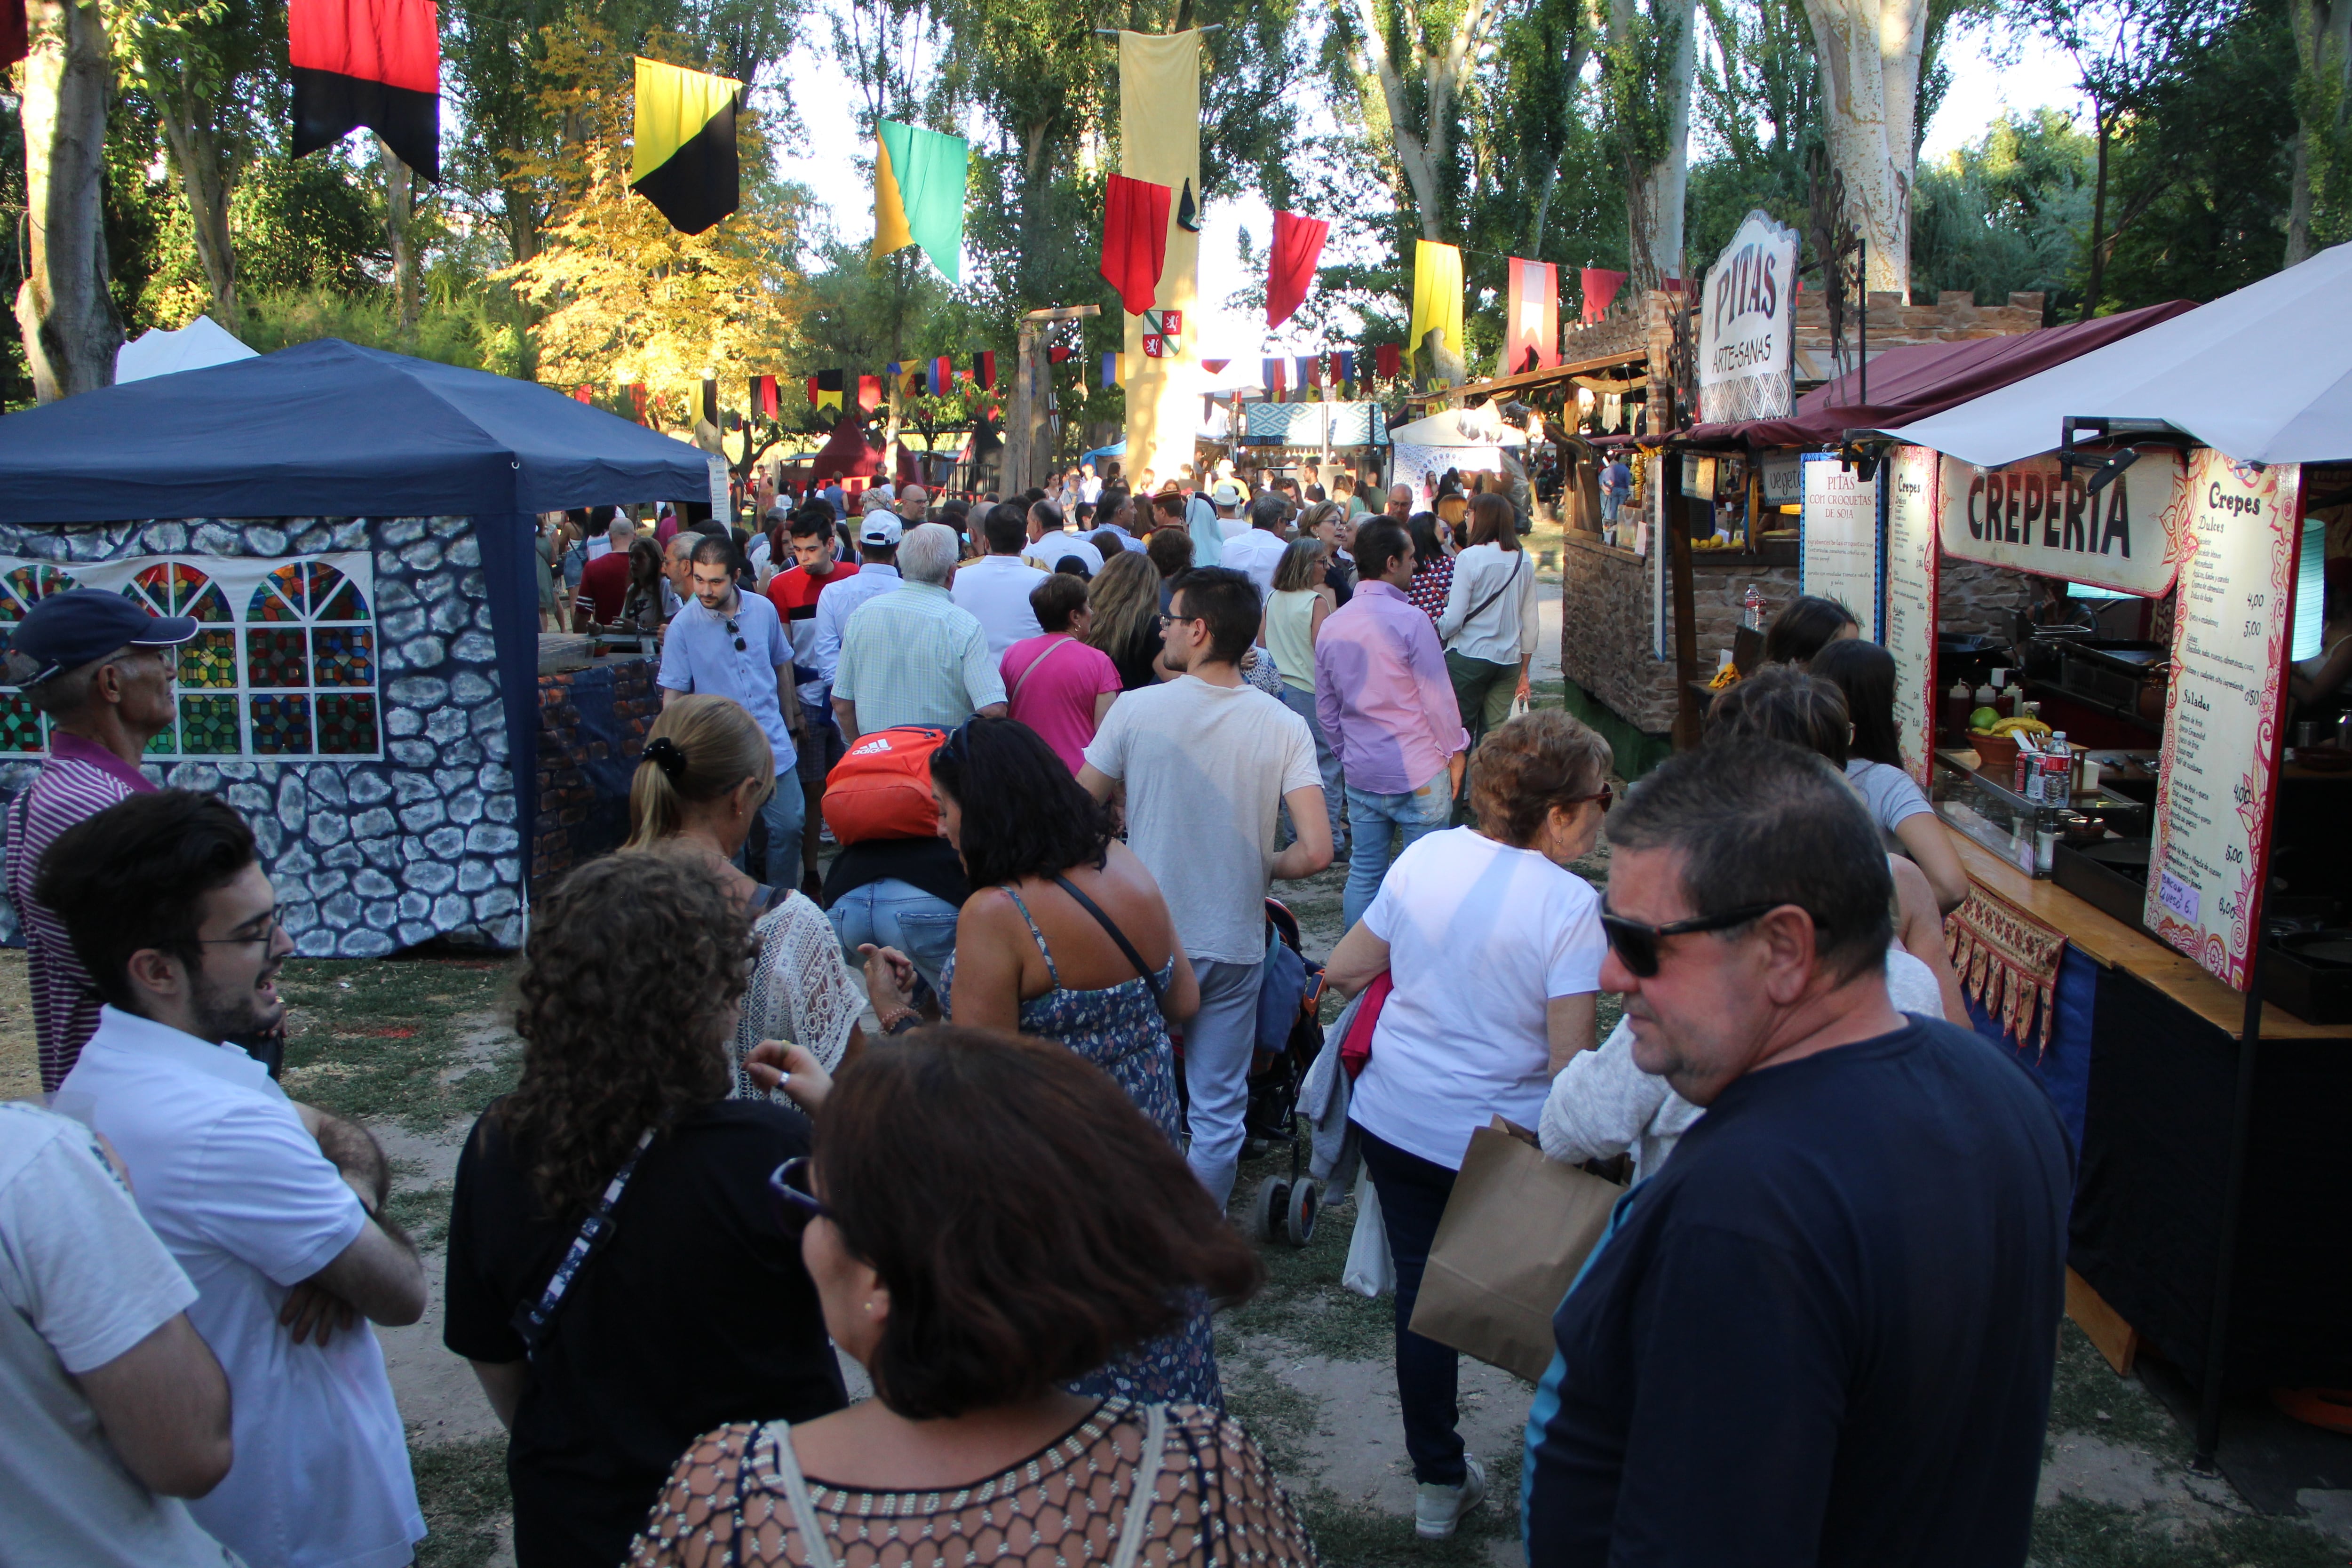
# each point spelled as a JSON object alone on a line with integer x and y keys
{"x": 879, "y": 528}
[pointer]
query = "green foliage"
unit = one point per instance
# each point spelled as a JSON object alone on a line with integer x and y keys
{"x": 475, "y": 329}
{"x": 2007, "y": 214}
{"x": 305, "y": 223}
{"x": 1757, "y": 104}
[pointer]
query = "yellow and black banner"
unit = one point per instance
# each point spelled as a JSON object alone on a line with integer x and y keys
{"x": 684, "y": 161}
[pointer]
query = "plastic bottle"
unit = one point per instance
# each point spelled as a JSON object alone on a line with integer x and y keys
{"x": 1751, "y": 605}
{"x": 2058, "y": 769}
{"x": 2004, "y": 695}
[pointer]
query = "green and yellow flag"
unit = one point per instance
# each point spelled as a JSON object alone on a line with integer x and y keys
{"x": 919, "y": 185}
{"x": 1436, "y": 300}
{"x": 684, "y": 162}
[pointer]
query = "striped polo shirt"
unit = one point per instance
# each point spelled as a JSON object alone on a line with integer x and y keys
{"x": 81, "y": 779}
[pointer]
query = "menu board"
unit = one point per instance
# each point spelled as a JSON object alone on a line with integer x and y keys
{"x": 1910, "y": 629}
{"x": 2215, "y": 775}
{"x": 1837, "y": 540}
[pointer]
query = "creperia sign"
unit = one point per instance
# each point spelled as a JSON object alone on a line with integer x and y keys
{"x": 1747, "y": 345}
{"x": 2031, "y": 517}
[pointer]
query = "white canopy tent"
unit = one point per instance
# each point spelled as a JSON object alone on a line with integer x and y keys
{"x": 201, "y": 343}
{"x": 2261, "y": 375}
{"x": 1471, "y": 438}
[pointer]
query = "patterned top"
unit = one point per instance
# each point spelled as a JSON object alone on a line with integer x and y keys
{"x": 801, "y": 992}
{"x": 1431, "y": 581}
{"x": 729, "y": 1504}
{"x": 81, "y": 779}
{"x": 915, "y": 656}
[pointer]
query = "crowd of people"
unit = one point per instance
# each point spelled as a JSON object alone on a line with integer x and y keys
{"x": 965, "y": 1102}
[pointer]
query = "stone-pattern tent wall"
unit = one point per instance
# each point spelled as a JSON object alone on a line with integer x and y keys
{"x": 367, "y": 856}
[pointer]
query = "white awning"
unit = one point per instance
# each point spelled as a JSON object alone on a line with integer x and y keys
{"x": 202, "y": 343}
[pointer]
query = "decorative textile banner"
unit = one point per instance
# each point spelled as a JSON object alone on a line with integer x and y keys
{"x": 942, "y": 377}
{"x": 684, "y": 160}
{"x": 1599, "y": 286}
{"x": 1343, "y": 367}
{"x": 1271, "y": 372}
{"x": 1281, "y": 424}
{"x": 1290, "y": 263}
{"x": 1159, "y": 141}
{"x": 918, "y": 188}
{"x": 1436, "y": 309}
{"x": 984, "y": 369}
{"x": 2008, "y": 964}
{"x": 1388, "y": 360}
{"x": 1531, "y": 329}
{"x": 869, "y": 392}
{"x": 375, "y": 63}
{"x": 763, "y": 394}
{"x": 1135, "y": 239}
{"x": 829, "y": 385}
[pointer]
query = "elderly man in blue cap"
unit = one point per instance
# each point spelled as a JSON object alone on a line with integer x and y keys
{"x": 102, "y": 669}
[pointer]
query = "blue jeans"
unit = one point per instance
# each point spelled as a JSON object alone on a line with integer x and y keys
{"x": 892, "y": 913}
{"x": 1326, "y": 759}
{"x": 1371, "y": 820}
{"x": 781, "y": 814}
{"x": 1412, "y": 1192}
{"x": 1219, "y": 1041}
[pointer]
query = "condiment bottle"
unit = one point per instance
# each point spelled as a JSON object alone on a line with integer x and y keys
{"x": 1956, "y": 712}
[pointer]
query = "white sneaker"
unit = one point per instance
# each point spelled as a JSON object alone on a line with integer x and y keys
{"x": 1437, "y": 1510}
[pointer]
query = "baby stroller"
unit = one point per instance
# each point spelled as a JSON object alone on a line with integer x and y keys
{"x": 1290, "y": 1035}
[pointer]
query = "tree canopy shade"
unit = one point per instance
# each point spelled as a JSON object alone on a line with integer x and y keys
{"x": 330, "y": 429}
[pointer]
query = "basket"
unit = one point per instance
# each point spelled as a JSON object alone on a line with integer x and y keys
{"x": 1996, "y": 757}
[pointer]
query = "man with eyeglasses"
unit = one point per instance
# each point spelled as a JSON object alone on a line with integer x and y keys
{"x": 102, "y": 670}
{"x": 728, "y": 643}
{"x": 1823, "y": 1331}
{"x": 275, "y": 1209}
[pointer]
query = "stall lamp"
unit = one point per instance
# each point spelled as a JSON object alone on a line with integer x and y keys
{"x": 1859, "y": 459}
{"x": 2106, "y": 466}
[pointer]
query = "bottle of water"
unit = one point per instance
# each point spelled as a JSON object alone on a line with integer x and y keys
{"x": 1752, "y": 608}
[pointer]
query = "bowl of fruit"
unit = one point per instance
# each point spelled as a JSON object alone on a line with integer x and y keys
{"x": 1995, "y": 741}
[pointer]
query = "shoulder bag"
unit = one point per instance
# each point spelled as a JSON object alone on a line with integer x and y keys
{"x": 1116, "y": 935}
{"x": 533, "y": 1323}
{"x": 1486, "y": 603}
{"x": 1022, "y": 680}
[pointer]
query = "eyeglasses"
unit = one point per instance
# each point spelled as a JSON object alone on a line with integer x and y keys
{"x": 1604, "y": 795}
{"x": 788, "y": 1194}
{"x": 266, "y": 935}
{"x": 1168, "y": 620}
{"x": 740, "y": 644}
{"x": 1636, "y": 945}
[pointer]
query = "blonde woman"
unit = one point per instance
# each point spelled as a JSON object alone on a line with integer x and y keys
{"x": 706, "y": 769}
{"x": 1302, "y": 598}
{"x": 1123, "y": 601}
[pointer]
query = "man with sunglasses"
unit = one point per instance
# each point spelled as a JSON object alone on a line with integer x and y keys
{"x": 274, "y": 1209}
{"x": 728, "y": 643}
{"x": 1822, "y": 1333}
{"x": 102, "y": 669}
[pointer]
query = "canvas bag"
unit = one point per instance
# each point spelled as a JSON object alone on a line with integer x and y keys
{"x": 1514, "y": 1232}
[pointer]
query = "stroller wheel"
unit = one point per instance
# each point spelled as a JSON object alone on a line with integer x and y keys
{"x": 1298, "y": 1215}
{"x": 1271, "y": 1212}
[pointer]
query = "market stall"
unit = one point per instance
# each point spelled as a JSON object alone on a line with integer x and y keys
{"x": 354, "y": 530}
{"x": 2156, "y": 902}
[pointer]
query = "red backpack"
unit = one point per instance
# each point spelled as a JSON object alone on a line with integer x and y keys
{"x": 882, "y": 789}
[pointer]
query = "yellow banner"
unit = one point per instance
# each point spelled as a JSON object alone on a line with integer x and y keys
{"x": 1436, "y": 307}
{"x": 1160, "y": 140}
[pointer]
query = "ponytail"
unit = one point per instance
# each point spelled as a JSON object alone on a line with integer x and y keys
{"x": 700, "y": 748}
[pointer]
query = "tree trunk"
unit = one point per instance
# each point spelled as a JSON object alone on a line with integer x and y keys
{"x": 399, "y": 219}
{"x": 64, "y": 311}
{"x": 1870, "y": 63}
{"x": 2098, "y": 219}
{"x": 2298, "y": 206}
{"x": 521, "y": 213}
{"x": 195, "y": 150}
{"x": 1657, "y": 193}
{"x": 2323, "y": 46}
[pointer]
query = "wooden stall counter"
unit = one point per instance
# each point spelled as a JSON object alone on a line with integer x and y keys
{"x": 2116, "y": 945}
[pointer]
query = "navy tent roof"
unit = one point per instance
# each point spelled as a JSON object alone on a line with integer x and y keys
{"x": 331, "y": 429}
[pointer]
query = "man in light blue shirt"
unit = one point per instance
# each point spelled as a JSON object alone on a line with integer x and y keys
{"x": 915, "y": 656}
{"x": 877, "y": 574}
{"x": 725, "y": 643}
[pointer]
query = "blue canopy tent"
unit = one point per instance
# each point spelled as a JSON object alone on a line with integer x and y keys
{"x": 318, "y": 433}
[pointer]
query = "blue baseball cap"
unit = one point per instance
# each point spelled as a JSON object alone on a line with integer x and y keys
{"x": 67, "y": 630}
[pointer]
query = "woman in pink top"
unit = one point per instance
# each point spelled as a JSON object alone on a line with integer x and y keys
{"x": 1055, "y": 684}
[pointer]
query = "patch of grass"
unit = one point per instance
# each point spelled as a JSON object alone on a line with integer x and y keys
{"x": 2086, "y": 1395}
{"x": 462, "y": 1489}
{"x": 386, "y": 1041}
{"x": 421, "y": 1211}
{"x": 1303, "y": 1299}
{"x": 2075, "y": 1533}
{"x": 1361, "y": 1538}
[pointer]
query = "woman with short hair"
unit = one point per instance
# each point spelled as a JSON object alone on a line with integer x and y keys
{"x": 985, "y": 1218}
{"x": 693, "y": 1310}
{"x": 1494, "y": 948}
{"x": 696, "y": 791}
{"x": 1489, "y": 627}
{"x": 1053, "y": 682}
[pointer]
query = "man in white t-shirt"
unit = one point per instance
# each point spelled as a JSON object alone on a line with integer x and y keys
{"x": 996, "y": 586}
{"x": 1048, "y": 545}
{"x": 275, "y": 1209}
{"x": 1257, "y": 553}
{"x": 116, "y": 1407}
{"x": 1206, "y": 761}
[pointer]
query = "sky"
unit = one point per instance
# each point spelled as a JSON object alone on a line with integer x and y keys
{"x": 1983, "y": 86}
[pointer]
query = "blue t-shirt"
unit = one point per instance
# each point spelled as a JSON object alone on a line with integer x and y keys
{"x": 734, "y": 656}
{"x": 1822, "y": 1333}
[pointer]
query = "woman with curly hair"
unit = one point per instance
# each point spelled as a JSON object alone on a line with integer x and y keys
{"x": 698, "y": 790}
{"x": 1123, "y": 600}
{"x": 985, "y": 1217}
{"x": 691, "y": 1307}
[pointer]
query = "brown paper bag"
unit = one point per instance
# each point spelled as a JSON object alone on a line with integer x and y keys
{"x": 1514, "y": 1232}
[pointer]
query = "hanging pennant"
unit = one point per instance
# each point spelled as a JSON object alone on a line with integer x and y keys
{"x": 375, "y": 63}
{"x": 1135, "y": 239}
{"x": 1114, "y": 370}
{"x": 1309, "y": 366}
{"x": 1601, "y": 287}
{"x": 1188, "y": 211}
{"x": 1056, "y": 355}
{"x": 684, "y": 159}
{"x": 1436, "y": 328}
{"x": 1388, "y": 360}
{"x": 984, "y": 365}
{"x": 1343, "y": 367}
{"x": 1270, "y": 371}
{"x": 1290, "y": 264}
{"x": 869, "y": 392}
{"x": 919, "y": 189}
{"x": 582, "y": 394}
{"x": 942, "y": 377}
{"x": 1531, "y": 323}
{"x": 812, "y": 392}
{"x": 763, "y": 394}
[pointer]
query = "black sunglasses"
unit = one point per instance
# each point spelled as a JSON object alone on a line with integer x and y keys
{"x": 1636, "y": 945}
{"x": 740, "y": 644}
{"x": 790, "y": 1198}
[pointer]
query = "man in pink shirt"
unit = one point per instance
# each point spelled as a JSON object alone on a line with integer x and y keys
{"x": 1056, "y": 685}
{"x": 1387, "y": 705}
{"x": 102, "y": 669}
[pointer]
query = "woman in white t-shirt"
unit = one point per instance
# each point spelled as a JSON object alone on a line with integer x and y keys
{"x": 1494, "y": 947}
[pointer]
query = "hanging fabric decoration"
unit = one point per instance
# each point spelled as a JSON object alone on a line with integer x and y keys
{"x": 1387, "y": 362}
{"x": 1601, "y": 287}
{"x": 1135, "y": 239}
{"x": 1531, "y": 329}
{"x": 829, "y": 388}
{"x": 1056, "y": 355}
{"x": 984, "y": 369}
{"x": 919, "y": 189}
{"x": 637, "y": 400}
{"x": 684, "y": 161}
{"x": 1437, "y": 330}
{"x": 1343, "y": 366}
{"x": 1270, "y": 371}
{"x": 1188, "y": 211}
{"x": 919, "y": 381}
{"x": 1310, "y": 367}
{"x": 942, "y": 377}
{"x": 1290, "y": 264}
{"x": 582, "y": 394}
{"x": 15, "y": 35}
{"x": 763, "y": 394}
{"x": 375, "y": 63}
{"x": 869, "y": 392}
{"x": 1114, "y": 370}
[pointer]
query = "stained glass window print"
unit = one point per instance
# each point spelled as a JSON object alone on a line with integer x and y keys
{"x": 281, "y": 725}
{"x": 27, "y": 585}
{"x": 209, "y": 659}
{"x": 208, "y": 727}
{"x": 276, "y": 659}
{"x": 20, "y": 725}
{"x": 343, "y": 655}
{"x": 347, "y": 724}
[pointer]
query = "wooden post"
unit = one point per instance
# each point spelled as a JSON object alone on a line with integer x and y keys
{"x": 1677, "y": 541}
{"x": 1024, "y": 431}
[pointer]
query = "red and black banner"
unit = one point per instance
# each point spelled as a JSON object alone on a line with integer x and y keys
{"x": 375, "y": 63}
